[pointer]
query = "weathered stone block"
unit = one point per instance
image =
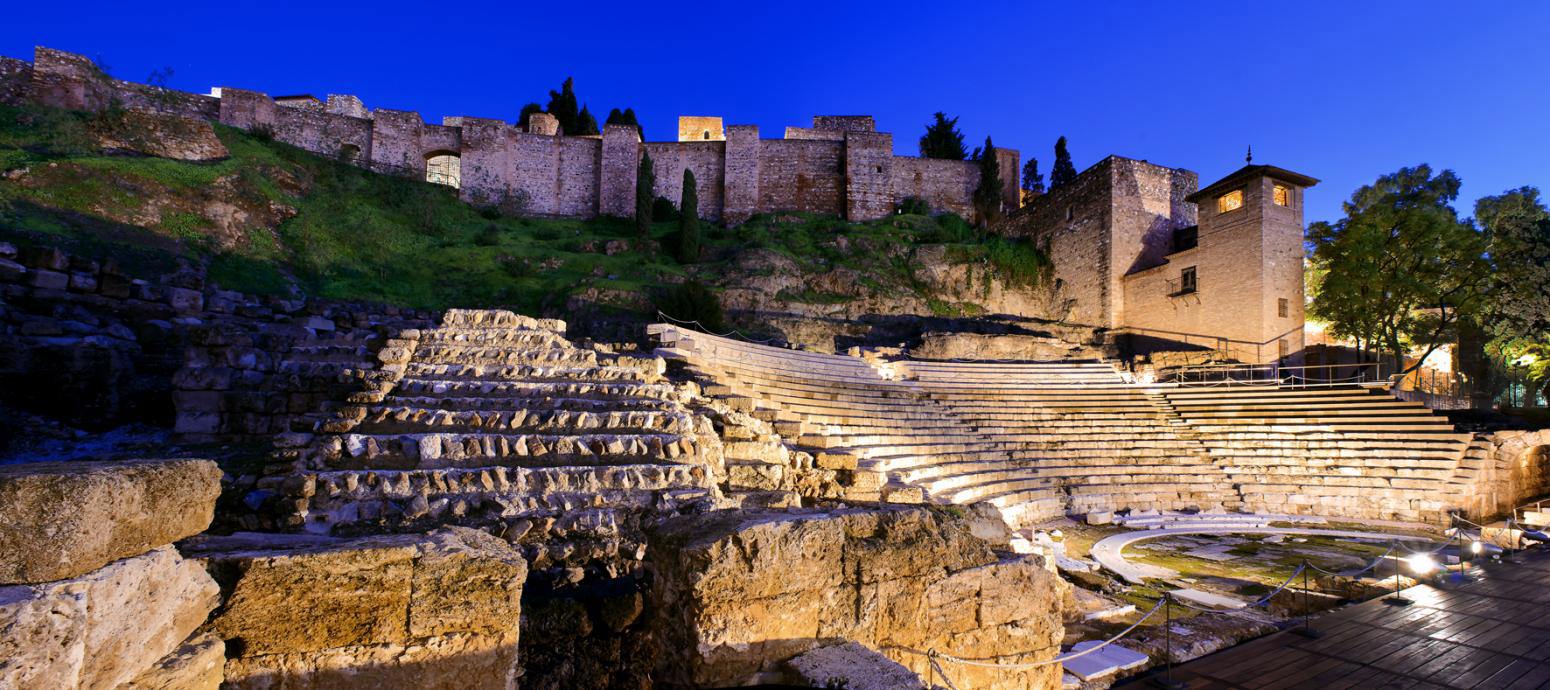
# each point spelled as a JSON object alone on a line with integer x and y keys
{"x": 199, "y": 664}
{"x": 102, "y": 629}
{"x": 62, "y": 520}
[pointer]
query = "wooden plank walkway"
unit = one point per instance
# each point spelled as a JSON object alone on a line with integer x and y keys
{"x": 1490, "y": 633}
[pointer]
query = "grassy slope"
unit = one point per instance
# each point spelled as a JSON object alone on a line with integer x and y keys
{"x": 361, "y": 236}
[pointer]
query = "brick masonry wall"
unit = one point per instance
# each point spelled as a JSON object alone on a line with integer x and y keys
{"x": 839, "y": 166}
{"x": 706, "y": 158}
{"x": 796, "y": 175}
{"x": 1072, "y": 223}
{"x": 945, "y": 185}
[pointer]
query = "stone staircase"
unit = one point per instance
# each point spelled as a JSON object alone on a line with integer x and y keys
{"x": 494, "y": 417}
{"x": 1042, "y": 440}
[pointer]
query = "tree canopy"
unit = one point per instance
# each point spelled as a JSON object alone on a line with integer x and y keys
{"x": 624, "y": 117}
{"x": 987, "y": 196}
{"x": 1033, "y": 181}
{"x": 942, "y": 139}
{"x": 1517, "y": 230}
{"x": 527, "y": 113}
{"x": 1063, "y": 171}
{"x": 1401, "y": 269}
{"x": 562, "y": 105}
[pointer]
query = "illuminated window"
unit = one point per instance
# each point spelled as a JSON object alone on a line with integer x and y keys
{"x": 1230, "y": 201}
{"x": 1283, "y": 307}
{"x": 1283, "y": 195}
{"x": 444, "y": 168}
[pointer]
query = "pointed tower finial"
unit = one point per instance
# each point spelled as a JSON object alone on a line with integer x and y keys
{"x": 1249, "y": 158}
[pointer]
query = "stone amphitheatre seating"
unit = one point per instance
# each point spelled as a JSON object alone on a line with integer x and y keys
{"x": 1039, "y": 440}
{"x": 1329, "y": 451}
{"x": 498, "y": 413}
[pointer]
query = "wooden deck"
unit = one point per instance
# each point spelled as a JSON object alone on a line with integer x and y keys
{"x": 1490, "y": 633}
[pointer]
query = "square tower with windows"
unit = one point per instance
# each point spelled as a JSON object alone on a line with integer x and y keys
{"x": 1247, "y": 273}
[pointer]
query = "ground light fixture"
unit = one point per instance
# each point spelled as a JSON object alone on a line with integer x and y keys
{"x": 1420, "y": 564}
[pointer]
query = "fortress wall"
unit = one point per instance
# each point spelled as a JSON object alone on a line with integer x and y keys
{"x": 708, "y": 161}
{"x": 945, "y": 185}
{"x": 325, "y": 134}
{"x": 66, "y": 80}
{"x": 15, "y": 78}
{"x": 621, "y": 157}
{"x": 796, "y": 175}
{"x": 840, "y": 166}
{"x": 1148, "y": 205}
{"x": 1070, "y": 222}
{"x": 1008, "y": 165}
{"x": 868, "y": 175}
{"x": 740, "y": 198}
{"x": 580, "y": 171}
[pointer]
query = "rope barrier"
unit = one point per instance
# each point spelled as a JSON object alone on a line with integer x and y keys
{"x": 1036, "y": 664}
{"x": 734, "y": 333}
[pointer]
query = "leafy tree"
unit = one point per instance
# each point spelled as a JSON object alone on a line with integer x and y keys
{"x": 527, "y": 113}
{"x": 645, "y": 183}
{"x": 562, "y": 105}
{"x": 1400, "y": 270}
{"x": 586, "y": 124}
{"x": 987, "y": 196}
{"x": 687, "y": 247}
{"x": 692, "y": 301}
{"x": 942, "y": 139}
{"x": 1033, "y": 181}
{"x": 1064, "y": 171}
{"x": 624, "y": 117}
{"x": 663, "y": 210}
{"x": 1517, "y": 230}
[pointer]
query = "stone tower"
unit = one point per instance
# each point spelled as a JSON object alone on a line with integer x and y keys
{"x": 1249, "y": 270}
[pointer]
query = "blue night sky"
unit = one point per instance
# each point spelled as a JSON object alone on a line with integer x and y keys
{"x": 1343, "y": 91}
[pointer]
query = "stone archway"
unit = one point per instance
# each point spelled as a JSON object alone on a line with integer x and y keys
{"x": 444, "y": 167}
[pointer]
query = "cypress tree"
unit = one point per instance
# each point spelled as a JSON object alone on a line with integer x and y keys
{"x": 688, "y": 247}
{"x": 987, "y": 196}
{"x": 585, "y": 123}
{"x": 1063, "y": 172}
{"x": 1033, "y": 182}
{"x": 645, "y": 182}
{"x": 562, "y": 105}
{"x": 942, "y": 139}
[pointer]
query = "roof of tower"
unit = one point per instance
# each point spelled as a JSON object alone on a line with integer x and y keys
{"x": 1249, "y": 171}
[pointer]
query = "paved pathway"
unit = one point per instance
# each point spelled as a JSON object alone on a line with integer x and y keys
{"x": 1490, "y": 633}
{"x": 1109, "y": 552}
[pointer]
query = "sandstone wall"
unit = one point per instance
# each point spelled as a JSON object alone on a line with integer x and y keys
{"x": 438, "y": 610}
{"x": 840, "y": 166}
{"x": 1073, "y": 222}
{"x": 743, "y": 592}
{"x": 92, "y": 595}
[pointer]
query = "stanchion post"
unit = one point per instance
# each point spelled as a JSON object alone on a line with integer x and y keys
{"x": 1307, "y": 607}
{"x": 1396, "y": 599}
{"x": 1166, "y": 681}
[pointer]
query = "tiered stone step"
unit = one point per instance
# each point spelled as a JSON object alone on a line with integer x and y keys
{"x": 1339, "y": 451}
{"x": 499, "y": 414}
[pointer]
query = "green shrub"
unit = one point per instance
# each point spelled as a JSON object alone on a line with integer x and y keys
{"x": 914, "y": 206}
{"x": 692, "y": 301}
{"x": 663, "y": 210}
{"x": 952, "y": 229}
{"x": 1018, "y": 261}
{"x": 488, "y": 237}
